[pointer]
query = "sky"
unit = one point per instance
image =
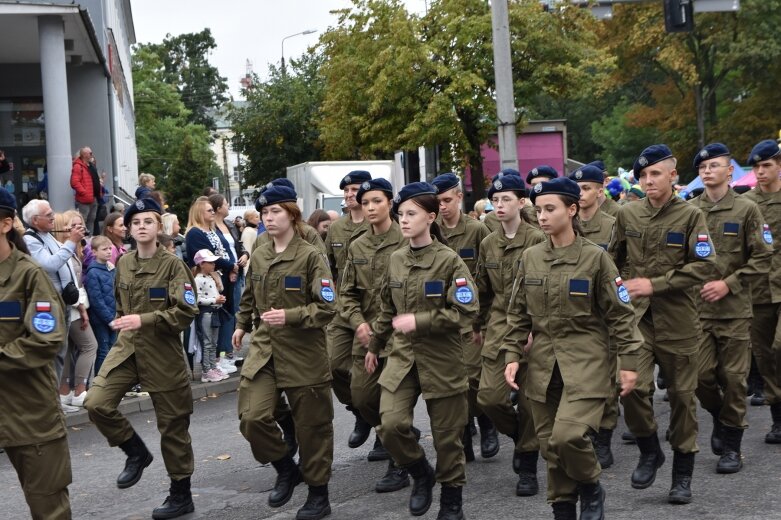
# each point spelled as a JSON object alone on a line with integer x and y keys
{"x": 243, "y": 29}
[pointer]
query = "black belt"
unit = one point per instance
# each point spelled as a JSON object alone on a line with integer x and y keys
{"x": 208, "y": 308}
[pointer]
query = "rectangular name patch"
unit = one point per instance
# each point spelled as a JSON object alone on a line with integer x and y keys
{"x": 532, "y": 281}
{"x": 491, "y": 265}
{"x": 293, "y": 283}
{"x": 11, "y": 311}
{"x": 158, "y": 294}
{"x": 731, "y": 229}
{"x": 394, "y": 285}
{"x": 360, "y": 261}
{"x": 675, "y": 239}
{"x": 434, "y": 289}
{"x": 579, "y": 287}
{"x": 466, "y": 253}
{"x": 634, "y": 234}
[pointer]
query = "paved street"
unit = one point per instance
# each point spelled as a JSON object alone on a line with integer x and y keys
{"x": 236, "y": 488}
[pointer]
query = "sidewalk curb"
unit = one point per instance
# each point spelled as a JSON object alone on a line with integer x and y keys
{"x": 131, "y": 405}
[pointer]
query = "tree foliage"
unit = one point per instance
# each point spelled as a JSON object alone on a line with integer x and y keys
{"x": 188, "y": 175}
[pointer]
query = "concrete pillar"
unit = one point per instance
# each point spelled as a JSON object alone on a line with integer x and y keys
{"x": 51, "y": 36}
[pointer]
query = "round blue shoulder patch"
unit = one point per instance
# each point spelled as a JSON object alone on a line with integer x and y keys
{"x": 623, "y": 294}
{"x": 189, "y": 297}
{"x": 464, "y": 295}
{"x": 702, "y": 249}
{"x": 44, "y": 322}
{"x": 327, "y": 294}
{"x": 767, "y": 236}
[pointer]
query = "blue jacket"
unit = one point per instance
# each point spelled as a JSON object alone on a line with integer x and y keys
{"x": 100, "y": 290}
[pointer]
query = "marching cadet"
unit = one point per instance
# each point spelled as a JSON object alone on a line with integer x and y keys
{"x": 540, "y": 174}
{"x": 367, "y": 261}
{"x": 463, "y": 236}
{"x": 606, "y": 204}
{"x": 289, "y": 287}
{"x": 426, "y": 295}
{"x": 667, "y": 243}
{"x": 340, "y": 334}
{"x": 500, "y": 253}
{"x": 599, "y": 227}
{"x": 155, "y": 303}
{"x": 569, "y": 295}
{"x": 32, "y": 328}
{"x": 535, "y": 176}
{"x": 736, "y": 226}
{"x": 310, "y": 234}
{"x": 765, "y": 159}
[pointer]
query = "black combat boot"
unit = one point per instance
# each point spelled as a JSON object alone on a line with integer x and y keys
{"x": 466, "y": 439}
{"x": 472, "y": 427}
{"x": 731, "y": 461}
{"x": 683, "y": 467}
{"x": 422, "y": 484}
{"x": 716, "y": 441}
{"x": 289, "y": 433}
{"x": 592, "y": 501}
{"x": 527, "y": 475}
{"x": 138, "y": 458}
{"x": 651, "y": 459}
{"x": 415, "y": 432}
{"x": 316, "y": 505}
{"x": 489, "y": 439}
{"x": 360, "y": 432}
{"x": 288, "y": 477}
{"x": 774, "y": 435}
{"x": 450, "y": 502}
{"x": 179, "y": 501}
{"x": 564, "y": 511}
{"x": 395, "y": 479}
{"x": 602, "y": 447}
{"x": 378, "y": 452}
{"x": 629, "y": 437}
{"x": 758, "y": 397}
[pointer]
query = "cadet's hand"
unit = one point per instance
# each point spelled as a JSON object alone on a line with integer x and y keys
{"x": 405, "y": 323}
{"x": 129, "y": 322}
{"x": 477, "y": 338}
{"x": 370, "y": 362}
{"x": 714, "y": 291}
{"x": 274, "y": 317}
{"x": 529, "y": 342}
{"x": 238, "y": 335}
{"x": 639, "y": 287}
{"x": 628, "y": 381}
{"x": 510, "y": 371}
{"x": 364, "y": 334}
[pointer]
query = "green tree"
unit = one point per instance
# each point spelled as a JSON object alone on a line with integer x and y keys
{"x": 185, "y": 60}
{"x": 188, "y": 175}
{"x": 277, "y": 125}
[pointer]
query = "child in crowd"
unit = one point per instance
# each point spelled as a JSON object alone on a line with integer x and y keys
{"x": 99, "y": 283}
{"x": 207, "y": 326}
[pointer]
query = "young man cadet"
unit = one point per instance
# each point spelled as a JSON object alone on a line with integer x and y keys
{"x": 606, "y": 204}
{"x": 736, "y": 226}
{"x": 464, "y": 236}
{"x": 599, "y": 227}
{"x": 340, "y": 335}
{"x": 765, "y": 159}
{"x": 668, "y": 245}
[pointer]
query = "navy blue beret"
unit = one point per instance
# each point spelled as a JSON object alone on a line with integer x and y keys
{"x": 542, "y": 171}
{"x": 599, "y": 164}
{"x": 275, "y": 195}
{"x": 763, "y": 151}
{"x": 141, "y": 206}
{"x": 588, "y": 173}
{"x": 7, "y": 200}
{"x": 508, "y": 171}
{"x": 711, "y": 151}
{"x": 413, "y": 189}
{"x": 558, "y": 186}
{"x": 506, "y": 182}
{"x": 355, "y": 177}
{"x": 374, "y": 185}
{"x": 446, "y": 181}
{"x": 651, "y": 155}
{"x": 281, "y": 181}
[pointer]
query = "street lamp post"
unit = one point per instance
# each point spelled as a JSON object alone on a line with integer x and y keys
{"x": 308, "y": 31}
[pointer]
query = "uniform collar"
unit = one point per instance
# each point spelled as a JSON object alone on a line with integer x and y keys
{"x": 654, "y": 212}
{"x": 8, "y": 267}
{"x": 460, "y": 228}
{"x": 393, "y": 234}
{"x": 151, "y": 265}
{"x": 571, "y": 253}
{"x": 724, "y": 204}
{"x": 423, "y": 258}
{"x": 270, "y": 254}
{"x": 519, "y": 240}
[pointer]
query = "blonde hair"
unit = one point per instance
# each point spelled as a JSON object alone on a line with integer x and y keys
{"x": 100, "y": 241}
{"x": 195, "y": 217}
{"x": 480, "y": 206}
{"x": 145, "y": 178}
{"x": 168, "y": 223}
{"x": 61, "y": 222}
{"x": 249, "y": 213}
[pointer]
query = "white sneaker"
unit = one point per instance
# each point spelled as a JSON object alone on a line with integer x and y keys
{"x": 78, "y": 400}
{"x": 68, "y": 408}
{"x": 222, "y": 372}
{"x": 67, "y": 399}
{"x": 227, "y": 367}
{"x": 212, "y": 376}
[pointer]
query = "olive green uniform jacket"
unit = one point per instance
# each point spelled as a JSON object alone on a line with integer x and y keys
{"x": 491, "y": 221}
{"x": 299, "y": 281}
{"x": 337, "y": 242}
{"x": 736, "y": 227}
{"x": 497, "y": 271}
{"x": 768, "y": 289}
{"x": 610, "y": 207}
{"x": 310, "y": 235}
{"x": 367, "y": 263}
{"x": 600, "y": 229}
{"x": 32, "y": 330}
{"x": 671, "y": 246}
{"x": 569, "y": 298}
{"x": 434, "y": 284}
{"x": 161, "y": 290}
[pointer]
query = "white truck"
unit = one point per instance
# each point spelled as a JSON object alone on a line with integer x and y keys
{"x": 317, "y": 182}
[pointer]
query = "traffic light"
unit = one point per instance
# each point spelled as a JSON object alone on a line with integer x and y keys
{"x": 678, "y": 15}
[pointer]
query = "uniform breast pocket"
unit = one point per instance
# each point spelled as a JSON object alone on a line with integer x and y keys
{"x": 123, "y": 289}
{"x": 295, "y": 290}
{"x": 577, "y": 296}
{"x": 157, "y": 294}
{"x": 730, "y": 239}
{"x": 535, "y": 290}
{"x": 397, "y": 295}
{"x": 672, "y": 247}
